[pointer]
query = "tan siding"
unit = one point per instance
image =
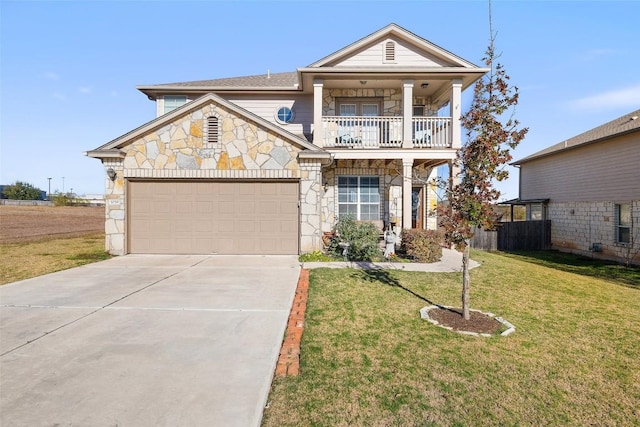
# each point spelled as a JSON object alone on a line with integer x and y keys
{"x": 406, "y": 55}
{"x": 267, "y": 107}
{"x": 608, "y": 170}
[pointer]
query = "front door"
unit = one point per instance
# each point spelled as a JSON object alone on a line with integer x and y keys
{"x": 417, "y": 207}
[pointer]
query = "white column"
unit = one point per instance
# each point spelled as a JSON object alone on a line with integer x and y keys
{"x": 456, "y": 113}
{"x": 407, "y": 170}
{"x": 407, "y": 113}
{"x": 318, "y": 131}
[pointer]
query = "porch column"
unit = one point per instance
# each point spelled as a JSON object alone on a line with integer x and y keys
{"x": 407, "y": 113}
{"x": 407, "y": 170}
{"x": 454, "y": 106}
{"x": 318, "y": 132}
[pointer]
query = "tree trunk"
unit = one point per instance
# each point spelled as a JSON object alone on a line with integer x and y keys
{"x": 465, "y": 280}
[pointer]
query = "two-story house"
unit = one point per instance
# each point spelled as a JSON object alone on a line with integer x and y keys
{"x": 589, "y": 187}
{"x": 265, "y": 164}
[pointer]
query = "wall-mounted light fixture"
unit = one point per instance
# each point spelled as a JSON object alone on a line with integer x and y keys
{"x": 363, "y": 82}
{"x": 325, "y": 186}
{"x": 111, "y": 174}
{"x": 424, "y": 85}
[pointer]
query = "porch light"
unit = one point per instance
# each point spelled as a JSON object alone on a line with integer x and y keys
{"x": 111, "y": 174}
{"x": 424, "y": 85}
{"x": 325, "y": 185}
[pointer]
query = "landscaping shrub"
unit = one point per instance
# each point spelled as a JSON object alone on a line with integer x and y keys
{"x": 361, "y": 236}
{"x": 422, "y": 245}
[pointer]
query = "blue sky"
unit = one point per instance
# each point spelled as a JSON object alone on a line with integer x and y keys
{"x": 69, "y": 68}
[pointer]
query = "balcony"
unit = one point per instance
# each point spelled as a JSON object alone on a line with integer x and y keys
{"x": 376, "y": 132}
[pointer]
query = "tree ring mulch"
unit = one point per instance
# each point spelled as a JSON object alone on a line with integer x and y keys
{"x": 480, "y": 323}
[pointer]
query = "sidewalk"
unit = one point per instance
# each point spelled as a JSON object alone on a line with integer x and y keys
{"x": 451, "y": 262}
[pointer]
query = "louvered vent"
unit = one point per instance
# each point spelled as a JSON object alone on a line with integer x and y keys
{"x": 390, "y": 52}
{"x": 212, "y": 130}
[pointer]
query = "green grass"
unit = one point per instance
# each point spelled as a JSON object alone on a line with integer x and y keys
{"x": 369, "y": 360}
{"x": 20, "y": 261}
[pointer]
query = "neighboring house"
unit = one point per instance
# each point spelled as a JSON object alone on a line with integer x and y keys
{"x": 589, "y": 187}
{"x": 265, "y": 164}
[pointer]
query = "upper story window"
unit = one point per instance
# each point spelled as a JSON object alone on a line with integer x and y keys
{"x": 623, "y": 222}
{"x": 389, "y": 52}
{"x": 171, "y": 102}
{"x": 284, "y": 115}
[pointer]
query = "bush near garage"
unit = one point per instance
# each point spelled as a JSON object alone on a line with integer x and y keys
{"x": 362, "y": 238}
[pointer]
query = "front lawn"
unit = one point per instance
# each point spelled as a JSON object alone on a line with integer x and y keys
{"x": 369, "y": 360}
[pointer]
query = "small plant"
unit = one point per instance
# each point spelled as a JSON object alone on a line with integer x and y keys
{"x": 361, "y": 237}
{"x": 60, "y": 199}
{"x": 316, "y": 256}
{"x": 422, "y": 245}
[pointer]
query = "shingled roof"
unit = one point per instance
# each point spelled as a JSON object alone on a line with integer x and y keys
{"x": 620, "y": 126}
{"x": 270, "y": 80}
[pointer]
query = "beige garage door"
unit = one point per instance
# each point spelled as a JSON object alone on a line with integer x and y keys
{"x": 179, "y": 217}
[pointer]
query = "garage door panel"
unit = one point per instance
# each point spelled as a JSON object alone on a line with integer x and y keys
{"x": 213, "y": 217}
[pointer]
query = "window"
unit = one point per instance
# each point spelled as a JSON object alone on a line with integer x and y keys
{"x": 284, "y": 115}
{"x": 359, "y": 196}
{"x": 211, "y": 132}
{"x": 172, "y": 102}
{"x": 623, "y": 223}
{"x": 536, "y": 212}
{"x": 389, "y": 52}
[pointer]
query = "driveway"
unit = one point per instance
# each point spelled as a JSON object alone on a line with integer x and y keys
{"x": 145, "y": 340}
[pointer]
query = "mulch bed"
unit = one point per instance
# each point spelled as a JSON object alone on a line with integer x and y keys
{"x": 479, "y": 323}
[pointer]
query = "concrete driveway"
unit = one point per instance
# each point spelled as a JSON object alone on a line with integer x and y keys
{"x": 145, "y": 341}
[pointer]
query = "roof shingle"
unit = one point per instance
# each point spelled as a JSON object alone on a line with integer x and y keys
{"x": 625, "y": 124}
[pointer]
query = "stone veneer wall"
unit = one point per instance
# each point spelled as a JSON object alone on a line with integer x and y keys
{"x": 114, "y": 226}
{"x": 244, "y": 151}
{"x": 575, "y": 226}
{"x": 392, "y": 100}
{"x": 390, "y": 173}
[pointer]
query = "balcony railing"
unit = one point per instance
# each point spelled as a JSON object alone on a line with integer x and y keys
{"x": 375, "y": 132}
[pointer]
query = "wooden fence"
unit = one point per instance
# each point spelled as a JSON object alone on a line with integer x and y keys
{"x": 514, "y": 236}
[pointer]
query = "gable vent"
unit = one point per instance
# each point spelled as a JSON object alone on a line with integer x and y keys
{"x": 212, "y": 130}
{"x": 389, "y": 52}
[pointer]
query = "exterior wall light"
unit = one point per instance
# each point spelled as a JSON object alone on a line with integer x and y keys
{"x": 111, "y": 174}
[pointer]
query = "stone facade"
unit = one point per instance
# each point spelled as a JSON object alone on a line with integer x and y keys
{"x": 576, "y": 226}
{"x": 390, "y": 173}
{"x": 243, "y": 151}
{"x": 391, "y": 105}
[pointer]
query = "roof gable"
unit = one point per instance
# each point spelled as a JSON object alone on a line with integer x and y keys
{"x": 622, "y": 125}
{"x": 187, "y": 108}
{"x": 411, "y": 50}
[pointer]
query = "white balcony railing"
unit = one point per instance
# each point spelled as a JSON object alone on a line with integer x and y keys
{"x": 384, "y": 132}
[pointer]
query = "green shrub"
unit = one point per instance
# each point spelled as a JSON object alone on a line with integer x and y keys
{"x": 316, "y": 256}
{"x": 361, "y": 236}
{"x": 422, "y": 245}
{"x": 60, "y": 199}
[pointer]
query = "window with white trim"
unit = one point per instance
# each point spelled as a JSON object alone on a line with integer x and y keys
{"x": 171, "y": 102}
{"x": 359, "y": 197}
{"x": 623, "y": 223}
{"x": 211, "y": 134}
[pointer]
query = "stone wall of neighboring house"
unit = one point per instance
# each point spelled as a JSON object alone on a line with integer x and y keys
{"x": 244, "y": 151}
{"x": 390, "y": 174}
{"x": 576, "y": 226}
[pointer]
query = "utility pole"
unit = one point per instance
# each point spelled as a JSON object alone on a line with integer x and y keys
{"x": 49, "y": 193}
{"x": 63, "y": 185}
